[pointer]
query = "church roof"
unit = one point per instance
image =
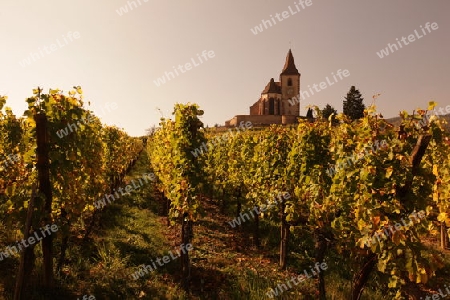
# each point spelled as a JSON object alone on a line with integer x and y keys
{"x": 289, "y": 66}
{"x": 272, "y": 87}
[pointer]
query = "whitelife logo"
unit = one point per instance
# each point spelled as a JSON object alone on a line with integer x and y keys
{"x": 187, "y": 66}
{"x": 218, "y": 139}
{"x": 258, "y": 210}
{"x": 356, "y": 157}
{"x": 265, "y": 24}
{"x": 165, "y": 260}
{"x": 319, "y": 87}
{"x": 389, "y": 230}
{"x": 441, "y": 295}
{"x": 130, "y": 4}
{"x": 74, "y": 126}
{"x": 46, "y": 50}
{"x": 32, "y": 239}
{"x": 434, "y": 114}
{"x": 280, "y": 288}
{"x": 411, "y": 38}
{"x": 10, "y": 160}
{"x": 128, "y": 189}
{"x": 87, "y": 297}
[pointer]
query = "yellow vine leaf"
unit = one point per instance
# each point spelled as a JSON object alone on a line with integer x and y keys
{"x": 435, "y": 170}
{"x": 389, "y": 171}
{"x": 435, "y": 196}
{"x": 443, "y": 217}
{"x": 431, "y": 105}
{"x": 361, "y": 224}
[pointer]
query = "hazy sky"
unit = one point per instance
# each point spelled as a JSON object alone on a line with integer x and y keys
{"x": 118, "y": 57}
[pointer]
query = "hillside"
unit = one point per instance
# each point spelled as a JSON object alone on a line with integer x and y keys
{"x": 397, "y": 120}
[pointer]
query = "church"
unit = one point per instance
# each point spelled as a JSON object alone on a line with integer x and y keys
{"x": 273, "y": 106}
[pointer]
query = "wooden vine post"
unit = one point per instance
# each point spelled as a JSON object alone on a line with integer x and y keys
{"x": 444, "y": 236}
{"x": 43, "y": 167}
{"x": 27, "y": 257}
{"x": 186, "y": 236}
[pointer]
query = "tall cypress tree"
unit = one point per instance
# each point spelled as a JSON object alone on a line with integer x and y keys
{"x": 353, "y": 104}
{"x": 309, "y": 114}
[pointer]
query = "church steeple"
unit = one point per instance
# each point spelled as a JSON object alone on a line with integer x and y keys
{"x": 290, "y": 86}
{"x": 289, "y": 66}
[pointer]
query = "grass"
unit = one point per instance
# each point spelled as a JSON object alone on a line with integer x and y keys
{"x": 131, "y": 234}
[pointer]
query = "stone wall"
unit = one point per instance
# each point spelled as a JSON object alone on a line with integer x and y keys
{"x": 254, "y": 109}
{"x": 262, "y": 119}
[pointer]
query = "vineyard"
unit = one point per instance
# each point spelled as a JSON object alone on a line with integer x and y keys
{"x": 47, "y": 179}
{"x": 328, "y": 209}
{"x": 346, "y": 188}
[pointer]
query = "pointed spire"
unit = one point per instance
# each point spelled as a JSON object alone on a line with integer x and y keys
{"x": 289, "y": 65}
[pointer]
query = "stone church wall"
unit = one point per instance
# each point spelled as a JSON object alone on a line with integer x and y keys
{"x": 262, "y": 119}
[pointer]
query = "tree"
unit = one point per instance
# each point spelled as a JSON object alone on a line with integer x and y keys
{"x": 327, "y": 111}
{"x": 353, "y": 104}
{"x": 309, "y": 114}
{"x": 150, "y": 131}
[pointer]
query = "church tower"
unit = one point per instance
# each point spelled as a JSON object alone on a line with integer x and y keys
{"x": 290, "y": 87}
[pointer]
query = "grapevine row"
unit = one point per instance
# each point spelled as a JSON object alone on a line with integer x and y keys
{"x": 84, "y": 164}
{"x": 348, "y": 184}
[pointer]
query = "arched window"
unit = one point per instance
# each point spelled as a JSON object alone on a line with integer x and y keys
{"x": 289, "y": 82}
{"x": 271, "y": 106}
